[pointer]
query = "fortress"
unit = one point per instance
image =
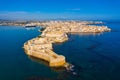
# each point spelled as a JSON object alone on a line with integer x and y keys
{"x": 56, "y": 32}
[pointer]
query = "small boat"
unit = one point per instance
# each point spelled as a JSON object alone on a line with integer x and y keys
{"x": 30, "y": 25}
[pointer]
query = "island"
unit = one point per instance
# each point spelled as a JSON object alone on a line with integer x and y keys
{"x": 56, "y": 32}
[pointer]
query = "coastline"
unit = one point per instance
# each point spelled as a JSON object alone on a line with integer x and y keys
{"x": 56, "y": 31}
{"x": 40, "y": 23}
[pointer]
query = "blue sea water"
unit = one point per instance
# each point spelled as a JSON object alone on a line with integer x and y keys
{"x": 94, "y": 56}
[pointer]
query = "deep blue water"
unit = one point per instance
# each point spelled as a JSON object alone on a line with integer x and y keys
{"x": 95, "y": 56}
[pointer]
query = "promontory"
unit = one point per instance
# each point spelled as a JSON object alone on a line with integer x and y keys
{"x": 56, "y": 32}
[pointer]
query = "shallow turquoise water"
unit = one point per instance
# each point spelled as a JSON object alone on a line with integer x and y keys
{"x": 95, "y": 57}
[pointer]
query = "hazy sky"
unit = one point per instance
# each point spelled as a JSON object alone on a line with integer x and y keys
{"x": 52, "y": 9}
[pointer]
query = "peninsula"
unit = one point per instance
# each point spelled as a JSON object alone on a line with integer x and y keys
{"x": 56, "y": 32}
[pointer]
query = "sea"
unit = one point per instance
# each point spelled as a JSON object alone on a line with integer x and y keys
{"x": 92, "y": 56}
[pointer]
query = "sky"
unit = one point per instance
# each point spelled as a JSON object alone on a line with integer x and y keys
{"x": 60, "y": 9}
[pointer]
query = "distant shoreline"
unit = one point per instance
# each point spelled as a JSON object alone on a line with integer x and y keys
{"x": 39, "y": 23}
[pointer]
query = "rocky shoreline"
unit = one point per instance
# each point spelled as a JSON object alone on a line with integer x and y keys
{"x": 56, "y": 31}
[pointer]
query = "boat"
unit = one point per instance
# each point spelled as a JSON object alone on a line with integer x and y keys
{"x": 30, "y": 25}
